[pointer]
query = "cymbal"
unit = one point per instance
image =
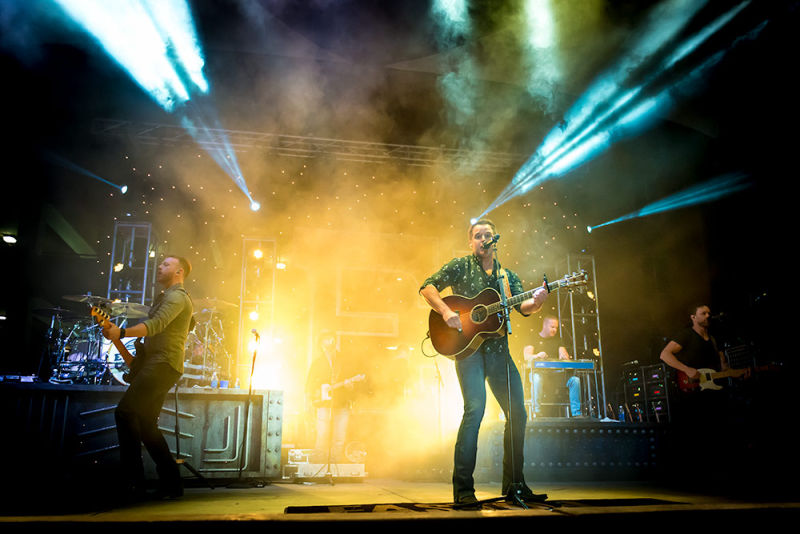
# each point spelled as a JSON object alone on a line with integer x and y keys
{"x": 114, "y": 307}
{"x": 92, "y": 300}
{"x": 129, "y": 309}
{"x": 212, "y": 303}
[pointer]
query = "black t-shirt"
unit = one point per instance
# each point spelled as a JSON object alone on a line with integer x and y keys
{"x": 547, "y": 344}
{"x": 695, "y": 351}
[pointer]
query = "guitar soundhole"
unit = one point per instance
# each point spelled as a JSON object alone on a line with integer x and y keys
{"x": 479, "y": 314}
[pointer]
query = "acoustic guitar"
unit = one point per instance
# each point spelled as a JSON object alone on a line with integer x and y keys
{"x": 482, "y": 317}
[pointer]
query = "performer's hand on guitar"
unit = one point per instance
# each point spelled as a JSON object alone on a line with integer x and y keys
{"x": 452, "y": 319}
{"x": 691, "y": 372}
{"x": 540, "y": 295}
{"x": 111, "y": 332}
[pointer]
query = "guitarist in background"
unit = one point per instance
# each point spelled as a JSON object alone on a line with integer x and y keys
{"x": 165, "y": 331}
{"x": 468, "y": 276}
{"x": 693, "y": 347}
{"x": 331, "y": 407}
{"x": 700, "y": 416}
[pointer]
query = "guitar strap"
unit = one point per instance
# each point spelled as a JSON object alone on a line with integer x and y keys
{"x": 506, "y": 286}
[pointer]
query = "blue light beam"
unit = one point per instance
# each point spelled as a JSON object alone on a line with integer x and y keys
{"x": 708, "y": 191}
{"x": 148, "y": 39}
{"x": 607, "y": 111}
{"x": 66, "y": 164}
{"x": 156, "y": 43}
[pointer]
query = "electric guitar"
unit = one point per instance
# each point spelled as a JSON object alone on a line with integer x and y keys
{"x": 134, "y": 363}
{"x": 705, "y": 379}
{"x": 325, "y": 395}
{"x": 482, "y": 317}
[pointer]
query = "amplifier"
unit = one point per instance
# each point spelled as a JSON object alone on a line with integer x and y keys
{"x": 646, "y": 392}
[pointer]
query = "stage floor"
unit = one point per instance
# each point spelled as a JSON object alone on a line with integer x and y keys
{"x": 290, "y": 505}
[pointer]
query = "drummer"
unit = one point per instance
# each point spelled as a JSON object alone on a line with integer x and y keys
{"x": 548, "y": 345}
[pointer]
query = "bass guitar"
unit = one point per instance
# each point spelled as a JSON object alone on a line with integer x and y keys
{"x": 705, "y": 379}
{"x": 134, "y": 362}
{"x": 482, "y": 317}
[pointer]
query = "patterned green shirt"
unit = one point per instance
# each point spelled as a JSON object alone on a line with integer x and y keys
{"x": 168, "y": 325}
{"x": 466, "y": 277}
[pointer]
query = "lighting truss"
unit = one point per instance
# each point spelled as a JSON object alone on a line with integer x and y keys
{"x": 306, "y": 147}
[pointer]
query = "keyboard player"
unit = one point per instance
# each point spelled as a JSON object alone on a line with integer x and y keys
{"x": 547, "y": 345}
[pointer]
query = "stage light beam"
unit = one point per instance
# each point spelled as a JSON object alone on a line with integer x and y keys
{"x": 156, "y": 43}
{"x": 146, "y": 38}
{"x": 704, "y": 192}
{"x": 607, "y": 111}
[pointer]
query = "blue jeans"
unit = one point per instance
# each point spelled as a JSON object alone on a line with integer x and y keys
{"x": 332, "y": 431}
{"x": 573, "y": 386}
{"x": 473, "y": 372}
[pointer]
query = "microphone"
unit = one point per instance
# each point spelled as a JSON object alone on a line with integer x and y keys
{"x": 492, "y": 241}
{"x": 255, "y": 332}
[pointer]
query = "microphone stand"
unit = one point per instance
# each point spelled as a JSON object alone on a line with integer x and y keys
{"x": 247, "y": 411}
{"x": 514, "y": 488}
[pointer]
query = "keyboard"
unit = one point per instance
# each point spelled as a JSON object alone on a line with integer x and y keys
{"x": 565, "y": 364}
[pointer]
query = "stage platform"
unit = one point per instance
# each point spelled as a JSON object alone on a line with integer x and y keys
{"x": 60, "y": 468}
{"x": 373, "y": 503}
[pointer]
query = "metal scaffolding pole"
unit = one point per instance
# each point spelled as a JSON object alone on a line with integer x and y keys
{"x": 579, "y": 317}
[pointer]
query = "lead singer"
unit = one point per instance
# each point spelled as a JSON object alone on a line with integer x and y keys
{"x": 468, "y": 276}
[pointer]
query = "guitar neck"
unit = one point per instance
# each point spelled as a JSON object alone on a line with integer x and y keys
{"x": 727, "y": 373}
{"x": 517, "y": 299}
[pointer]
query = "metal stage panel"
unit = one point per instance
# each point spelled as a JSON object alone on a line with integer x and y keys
{"x": 68, "y": 431}
{"x": 564, "y": 449}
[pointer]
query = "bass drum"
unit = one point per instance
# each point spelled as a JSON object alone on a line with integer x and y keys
{"x": 116, "y": 363}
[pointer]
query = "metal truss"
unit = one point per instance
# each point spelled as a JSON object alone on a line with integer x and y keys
{"x": 309, "y": 147}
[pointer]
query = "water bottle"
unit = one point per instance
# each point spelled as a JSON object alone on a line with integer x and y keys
{"x": 621, "y": 413}
{"x": 236, "y": 385}
{"x": 214, "y": 380}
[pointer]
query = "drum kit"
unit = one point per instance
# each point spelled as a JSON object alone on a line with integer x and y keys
{"x": 77, "y": 353}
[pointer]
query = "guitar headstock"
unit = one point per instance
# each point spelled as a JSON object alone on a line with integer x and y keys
{"x": 100, "y": 315}
{"x": 578, "y": 279}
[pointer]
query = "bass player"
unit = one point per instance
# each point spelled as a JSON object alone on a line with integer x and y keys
{"x": 165, "y": 332}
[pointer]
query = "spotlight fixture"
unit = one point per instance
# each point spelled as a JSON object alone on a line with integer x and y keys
{"x": 258, "y": 253}
{"x": 10, "y": 239}
{"x": 255, "y": 206}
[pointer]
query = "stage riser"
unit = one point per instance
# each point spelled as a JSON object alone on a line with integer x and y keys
{"x": 69, "y": 431}
{"x": 578, "y": 451}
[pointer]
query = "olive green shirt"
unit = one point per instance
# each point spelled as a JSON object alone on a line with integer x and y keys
{"x": 168, "y": 326}
{"x": 466, "y": 277}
